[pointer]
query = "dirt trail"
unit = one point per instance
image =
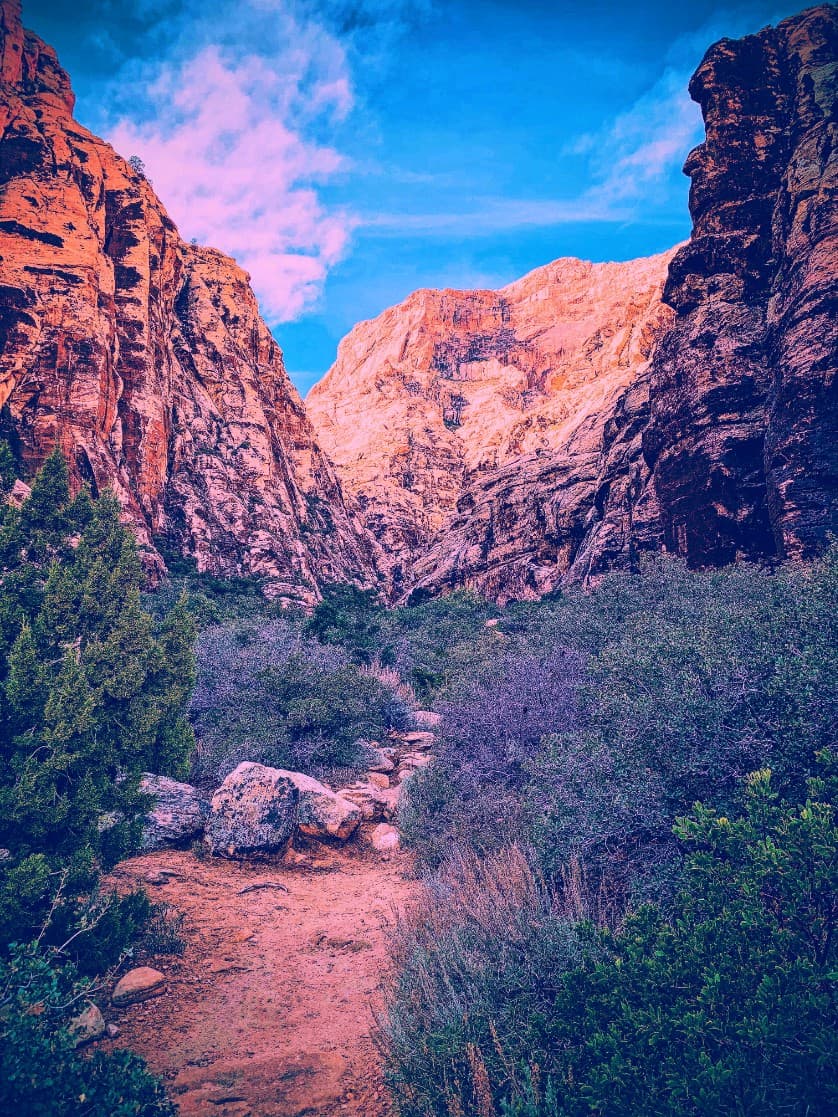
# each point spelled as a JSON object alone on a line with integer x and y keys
{"x": 268, "y": 1013}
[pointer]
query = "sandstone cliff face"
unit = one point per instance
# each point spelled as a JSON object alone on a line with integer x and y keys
{"x": 741, "y": 440}
{"x": 470, "y": 425}
{"x": 144, "y": 358}
{"x": 723, "y": 446}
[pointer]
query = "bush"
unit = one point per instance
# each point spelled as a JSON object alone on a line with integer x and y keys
{"x": 593, "y": 720}
{"x": 495, "y": 717}
{"x": 92, "y": 693}
{"x": 726, "y": 1006}
{"x": 307, "y": 704}
{"x": 41, "y": 1072}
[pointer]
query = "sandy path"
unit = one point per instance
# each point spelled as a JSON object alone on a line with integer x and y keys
{"x": 268, "y": 1013}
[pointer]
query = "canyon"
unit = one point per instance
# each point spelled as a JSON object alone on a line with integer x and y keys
{"x": 509, "y": 441}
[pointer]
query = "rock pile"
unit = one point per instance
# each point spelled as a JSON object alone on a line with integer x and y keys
{"x": 261, "y": 811}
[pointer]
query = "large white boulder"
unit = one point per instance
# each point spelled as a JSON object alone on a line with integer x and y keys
{"x": 253, "y": 812}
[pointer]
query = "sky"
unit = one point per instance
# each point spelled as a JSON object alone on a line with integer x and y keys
{"x": 348, "y": 152}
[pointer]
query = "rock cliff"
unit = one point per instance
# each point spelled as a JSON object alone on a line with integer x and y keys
{"x": 517, "y": 440}
{"x": 741, "y": 440}
{"x": 145, "y": 358}
{"x": 470, "y": 425}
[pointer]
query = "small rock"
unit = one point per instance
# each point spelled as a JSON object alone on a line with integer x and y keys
{"x": 111, "y": 1031}
{"x": 385, "y": 838}
{"x": 420, "y": 739}
{"x": 376, "y": 760}
{"x": 87, "y": 1026}
{"x": 378, "y": 779}
{"x": 138, "y": 985}
{"x": 427, "y": 719}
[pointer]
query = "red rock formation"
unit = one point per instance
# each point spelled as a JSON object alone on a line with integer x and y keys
{"x": 145, "y": 358}
{"x": 471, "y": 425}
{"x": 744, "y": 401}
{"x": 723, "y": 447}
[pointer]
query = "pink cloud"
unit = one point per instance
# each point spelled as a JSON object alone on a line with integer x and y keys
{"x": 226, "y": 140}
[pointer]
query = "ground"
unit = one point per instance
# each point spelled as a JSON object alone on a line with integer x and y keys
{"x": 270, "y": 1011}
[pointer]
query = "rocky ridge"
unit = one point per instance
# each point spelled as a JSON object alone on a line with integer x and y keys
{"x": 440, "y": 399}
{"x": 145, "y": 359}
{"x": 703, "y": 424}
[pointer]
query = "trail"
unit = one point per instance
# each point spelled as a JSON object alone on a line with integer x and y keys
{"x": 269, "y": 1011}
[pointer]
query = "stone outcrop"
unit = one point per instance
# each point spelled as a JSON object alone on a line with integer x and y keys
{"x": 177, "y": 815}
{"x": 145, "y": 359}
{"x": 253, "y": 812}
{"x": 741, "y": 439}
{"x": 456, "y": 418}
{"x": 513, "y": 441}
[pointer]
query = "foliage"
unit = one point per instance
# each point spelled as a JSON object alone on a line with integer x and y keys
{"x": 92, "y": 693}
{"x": 307, "y": 704}
{"x": 350, "y": 617}
{"x": 726, "y": 1006}
{"x": 654, "y": 690}
{"x": 42, "y": 1074}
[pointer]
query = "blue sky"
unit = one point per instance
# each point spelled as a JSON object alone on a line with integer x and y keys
{"x": 349, "y": 152}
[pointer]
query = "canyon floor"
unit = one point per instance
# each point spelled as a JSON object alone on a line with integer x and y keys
{"x": 270, "y": 1010}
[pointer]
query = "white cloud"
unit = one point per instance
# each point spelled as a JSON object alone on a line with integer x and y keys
{"x": 229, "y": 124}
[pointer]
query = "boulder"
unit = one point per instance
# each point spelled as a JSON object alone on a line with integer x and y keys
{"x": 378, "y": 779}
{"x": 427, "y": 719}
{"x": 87, "y": 1026}
{"x": 421, "y": 739}
{"x": 253, "y": 812}
{"x": 376, "y": 759}
{"x": 415, "y": 760}
{"x": 178, "y": 814}
{"x": 322, "y": 814}
{"x": 385, "y": 838}
{"x": 368, "y": 799}
{"x": 138, "y": 985}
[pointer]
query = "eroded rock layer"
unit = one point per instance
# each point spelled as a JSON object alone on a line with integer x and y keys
{"x": 145, "y": 358}
{"x": 744, "y": 405}
{"x": 512, "y": 441}
{"x": 471, "y": 425}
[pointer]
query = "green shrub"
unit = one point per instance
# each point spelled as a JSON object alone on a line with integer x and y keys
{"x": 727, "y": 1005}
{"x": 92, "y": 693}
{"x": 42, "y": 1074}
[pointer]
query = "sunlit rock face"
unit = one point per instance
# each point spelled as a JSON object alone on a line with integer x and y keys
{"x": 145, "y": 358}
{"x": 472, "y": 427}
{"x": 514, "y": 441}
{"x": 744, "y": 401}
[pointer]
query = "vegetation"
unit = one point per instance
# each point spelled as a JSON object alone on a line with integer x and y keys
{"x": 42, "y": 1073}
{"x": 510, "y": 999}
{"x": 92, "y": 693}
{"x": 308, "y": 705}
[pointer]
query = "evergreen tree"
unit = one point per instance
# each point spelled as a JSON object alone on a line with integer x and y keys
{"x": 92, "y": 693}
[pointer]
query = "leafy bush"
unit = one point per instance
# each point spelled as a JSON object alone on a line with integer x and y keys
{"x": 92, "y": 693}
{"x": 501, "y": 1004}
{"x": 495, "y": 718}
{"x": 651, "y": 692}
{"x": 41, "y": 1072}
{"x": 307, "y": 705}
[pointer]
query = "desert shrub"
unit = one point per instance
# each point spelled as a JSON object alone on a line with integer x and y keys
{"x": 267, "y": 693}
{"x": 495, "y": 716}
{"x": 350, "y": 617}
{"x": 433, "y": 643}
{"x": 727, "y": 1005}
{"x": 586, "y": 724}
{"x": 92, "y": 693}
{"x": 705, "y": 677}
{"x": 478, "y": 960}
{"x": 41, "y": 1072}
